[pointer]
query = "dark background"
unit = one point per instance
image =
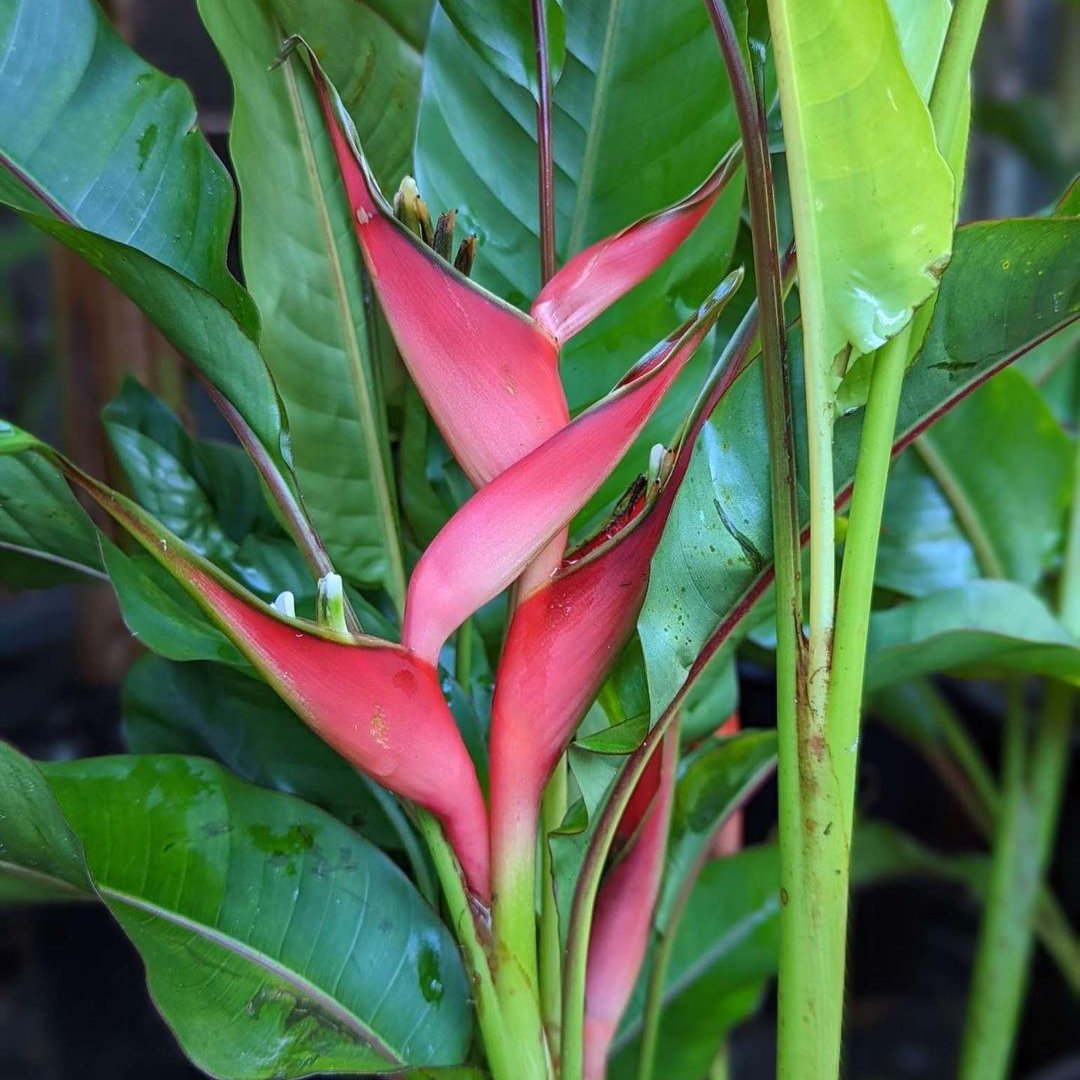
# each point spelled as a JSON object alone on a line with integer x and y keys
{"x": 73, "y": 1002}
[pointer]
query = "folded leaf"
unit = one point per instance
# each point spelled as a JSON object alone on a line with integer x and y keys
{"x": 380, "y": 706}
{"x": 596, "y": 277}
{"x": 488, "y": 543}
{"x": 620, "y": 932}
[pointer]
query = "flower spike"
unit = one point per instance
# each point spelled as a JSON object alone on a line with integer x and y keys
{"x": 490, "y": 540}
{"x": 598, "y": 276}
{"x": 624, "y": 905}
{"x": 487, "y": 373}
{"x": 380, "y": 706}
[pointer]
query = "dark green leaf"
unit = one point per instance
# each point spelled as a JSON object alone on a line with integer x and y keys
{"x": 303, "y": 265}
{"x": 206, "y": 493}
{"x": 1006, "y": 468}
{"x": 40, "y": 858}
{"x": 160, "y": 614}
{"x": 502, "y": 33}
{"x": 714, "y": 780}
{"x": 208, "y": 710}
{"x": 984, "y": 623}
{"x": 277, "y": 942}
{"x": 39, "y": 517}
{"x": 102, "y": 152}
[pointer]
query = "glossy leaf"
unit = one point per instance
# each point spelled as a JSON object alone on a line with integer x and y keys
{"x": 276, "y": 941}
{"x": 207, "y": 710}
{"x": 847, "y": 157}
{"x": 207, "y": 493}
{"x": 985, "y": 623}
{"x": 96, "y": 137}
{"x": 705, "y": 580}
{"x": 502, "y": 33}
{"x": 305, "y": 273}
{"x": 40, "y": 858}
{"x": 506, "y": 524}
{"x": 101, "y": 152}
{"x": 1004, "y": 439}
{"x": 40, "y": 519}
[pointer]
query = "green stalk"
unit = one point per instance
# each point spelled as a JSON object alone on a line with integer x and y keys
{"x": 471, "y": 934}
{"x": 1001, "y": 962}
{"x": 552, "y": 812}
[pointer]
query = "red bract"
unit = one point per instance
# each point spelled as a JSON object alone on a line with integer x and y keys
{"x": 624, "y": 905}
{"x": 596, "y": 277}
{"x": 486, "y": 545}
{"x": 489, "y": 374}
{"x": 377, "y": 704}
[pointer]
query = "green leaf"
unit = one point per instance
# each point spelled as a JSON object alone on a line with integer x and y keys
{"x": 1010, "y": 284}
{"x": 160, "y": 614}
{"x": 642, "y": 114}
{"x": 985, "y": 623}
{"x": 101, "y": 151}
{"x": 304, "y": 269}
{"x": 208, "y": 710}
{"x": 502, "y": 33}
{"x": 40, "y": 858}
{"x": 40, "y": 518}
{"x": 1004, "y": 439}
{"x": 277, "y": 942}
{"x": 859, "y": 139}
{"x": 208, "y": 494}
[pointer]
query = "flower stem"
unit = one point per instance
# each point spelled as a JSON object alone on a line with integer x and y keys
{"x": 544, "y": 154}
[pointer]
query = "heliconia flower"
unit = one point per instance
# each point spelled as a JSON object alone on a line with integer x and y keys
{"x": 624, "y": 906}
{"x": 596, "y": 277}
{"x": 487, "y": 372}
{"x": 377, "y": 704}
{"x": 487, "y": 544}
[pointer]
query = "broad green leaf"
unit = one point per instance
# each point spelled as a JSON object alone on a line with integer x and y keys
{"x": 40, "y": 518}
{"x": 1010, "y": 284}
{"x": 642, "y": 113}
{"x": 1006, "y": 468}
{"x": 502, "y": 33}
{"x": 206, "y": 493}
{"x": 303, "y": 267}
{"x": 208, "y": 710}
{"x": 40, "y": 858}
{"x": 871, "y": 196}
{"x": 277, "y": 942}
{"x": 983, "y": 624}
{"x": 101, "y": 152}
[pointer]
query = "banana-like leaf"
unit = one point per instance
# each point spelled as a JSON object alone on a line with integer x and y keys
{"x": 502, "y": 33}
{"x": 305, "y": 274}
{"x": 277, "y": 942}
{"x": 872, "y": 198}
